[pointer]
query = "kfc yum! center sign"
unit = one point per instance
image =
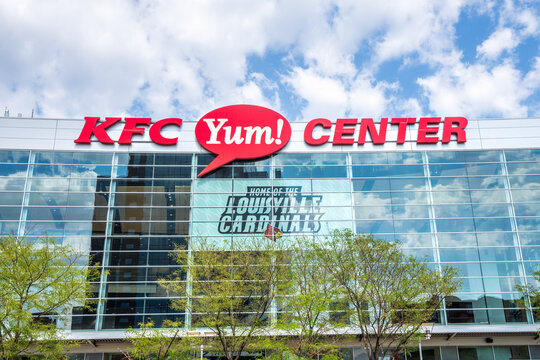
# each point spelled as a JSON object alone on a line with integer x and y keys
{"x": 251, "y": 132}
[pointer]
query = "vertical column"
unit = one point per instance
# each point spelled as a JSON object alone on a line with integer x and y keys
{"x": 26, "y": 196}
{"x": 433, "y": 225}
{"x": 513, "y": 224}
{"x": 106, "y": 246}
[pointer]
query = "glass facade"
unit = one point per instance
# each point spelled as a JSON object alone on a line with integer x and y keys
{"x": 477, "y": 210}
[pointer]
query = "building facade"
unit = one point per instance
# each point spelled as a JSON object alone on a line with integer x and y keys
{"x": 473, "y": 205}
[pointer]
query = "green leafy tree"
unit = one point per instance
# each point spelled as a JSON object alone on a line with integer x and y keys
{"x": 167, "y": 342}
{"x": 39, "y": 284}
{"x": 390, "y": 294}
{"x": 233, "y": 288}
{"x": 307, "y": 308}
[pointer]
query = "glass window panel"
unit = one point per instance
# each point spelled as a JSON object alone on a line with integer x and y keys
{"x": 128, "y": 258}
{"x": 121, "y": 322}
{"x": 92, "y": 158}
{"x": 407, "y": 158}
{"x": 161, "y": 258}
{"x": 406, "y": 170}
{"x": 527, "y": 209}
{"x": 501, "y": 269}
{"x": 88, "y": 213}
{"x": 329, "y": 159}
{"x": 135, "y": 172}
{"x": 371, "y": 184}
{"x": 525, "y": 196}
{"x": 484, "y": 169}
{"x": 526, "y": 168}
{"x": 224, "y": 172}
{"x": 172, "y": 172}
{"x": 491, "y": 182}
{"x": 458, "y": 255}
{"x": 456, "y": 240}
{"x": 133, "y": 199}
{"x": 449, "y": 353}
{"x": 448, "y": 169}
{"x": 51, "y": 170}
{"x": 10, "y": 212}
{"x": 410, "y": 197}
{"x": 46, "y": 213}
{"x": 131, "y": 290}
{"x": 103, "y": 171}
{"x": 375, "y": 226}
{"x": 373, "y": 212}
{"x": 415, "y": 240}
{"x": 11, "y": 227}
{"x": 172, "y": 185}
{"x": 522, "y": 155}
{"x": 375, "y": 198}
{"x": 85, "y": 185}
{"x": 512, "y": 352}
{"x": 455, "y": 225}
{"x": 493, "y": 224}
{"x": 414, "y": 184}
{"x": 13, "y": 170}
{"x": 170, "y": 214}
{"x": 451, "y": 211}
{"x": 525, "y": 181}
{"x": 329, "y": 172}
{"x": 291, "y": 159}
{"x": 370, "y": 171}
{"x": 467, "y": 270}
{"x": 13, "y": 156}
{"x": 498, "y": 254}
{"x": 529, "y": 238}
{"x": 495, "y": 239}
{"x": 448, "y": 183}
{"x": 411, "y": 226}
{"x": 501, "y": 284}
{"x": 491, "y": 210}
{"x": 135, "y": 159}
{"x": 252, "y": 172}
{"x": 11, "y": 198}
{"x": 369, "y": 158}
{"x": 410, "y": 212}
{"x": 530, "y": 252}
{"x": 451, "y": 197}
{"x": 475, "y": 353}
{"x": 12, "y": 184}
{"x": 528, "y": 223}
{"x": 53, "y": 157}
{"x": 488, "y": 196}
{"x": 173, "y": 159}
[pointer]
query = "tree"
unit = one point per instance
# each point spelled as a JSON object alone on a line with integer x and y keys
{"x": 233, "y": 287}
{"x": 160, "y": 344}
{"x": 391, "y": 295}
{"x": 39, "y": 284}
{"x": 311, "y": 297}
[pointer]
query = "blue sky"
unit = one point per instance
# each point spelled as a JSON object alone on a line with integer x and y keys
{"x": 304, "y": 58}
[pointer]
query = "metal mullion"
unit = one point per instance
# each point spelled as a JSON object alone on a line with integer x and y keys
{"x": 107, "y": 245}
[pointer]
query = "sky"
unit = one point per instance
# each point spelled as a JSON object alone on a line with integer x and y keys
{"x": 303, "y": 58}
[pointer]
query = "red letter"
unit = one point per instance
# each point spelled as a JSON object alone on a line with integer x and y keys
{"x": 378, "y": 138}
{"x": 90, "y": 128}
{"x": 155, "y": 131}
{"x": 341, "y": 130}
{"x": 424, "y": 129}
{"x": 459, "y": 130}
{"x": 308, "y": 131}
{"x": 130, "y": 128}
{"x": 402, "y": 129}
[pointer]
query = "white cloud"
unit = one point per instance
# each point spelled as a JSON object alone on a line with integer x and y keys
{"x": 476, "y": 91}
{"x": 501, "y": 40}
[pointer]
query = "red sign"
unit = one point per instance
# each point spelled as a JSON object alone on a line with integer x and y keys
{"x": 130, "y": 128}
{"x": 345, "y": 130}
{"x": 241, "y": 132}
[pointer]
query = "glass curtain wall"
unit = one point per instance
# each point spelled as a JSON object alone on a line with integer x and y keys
{"x": 477, "y": 210}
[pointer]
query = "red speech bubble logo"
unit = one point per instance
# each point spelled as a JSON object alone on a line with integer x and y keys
{"x": 241, "y": 132}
